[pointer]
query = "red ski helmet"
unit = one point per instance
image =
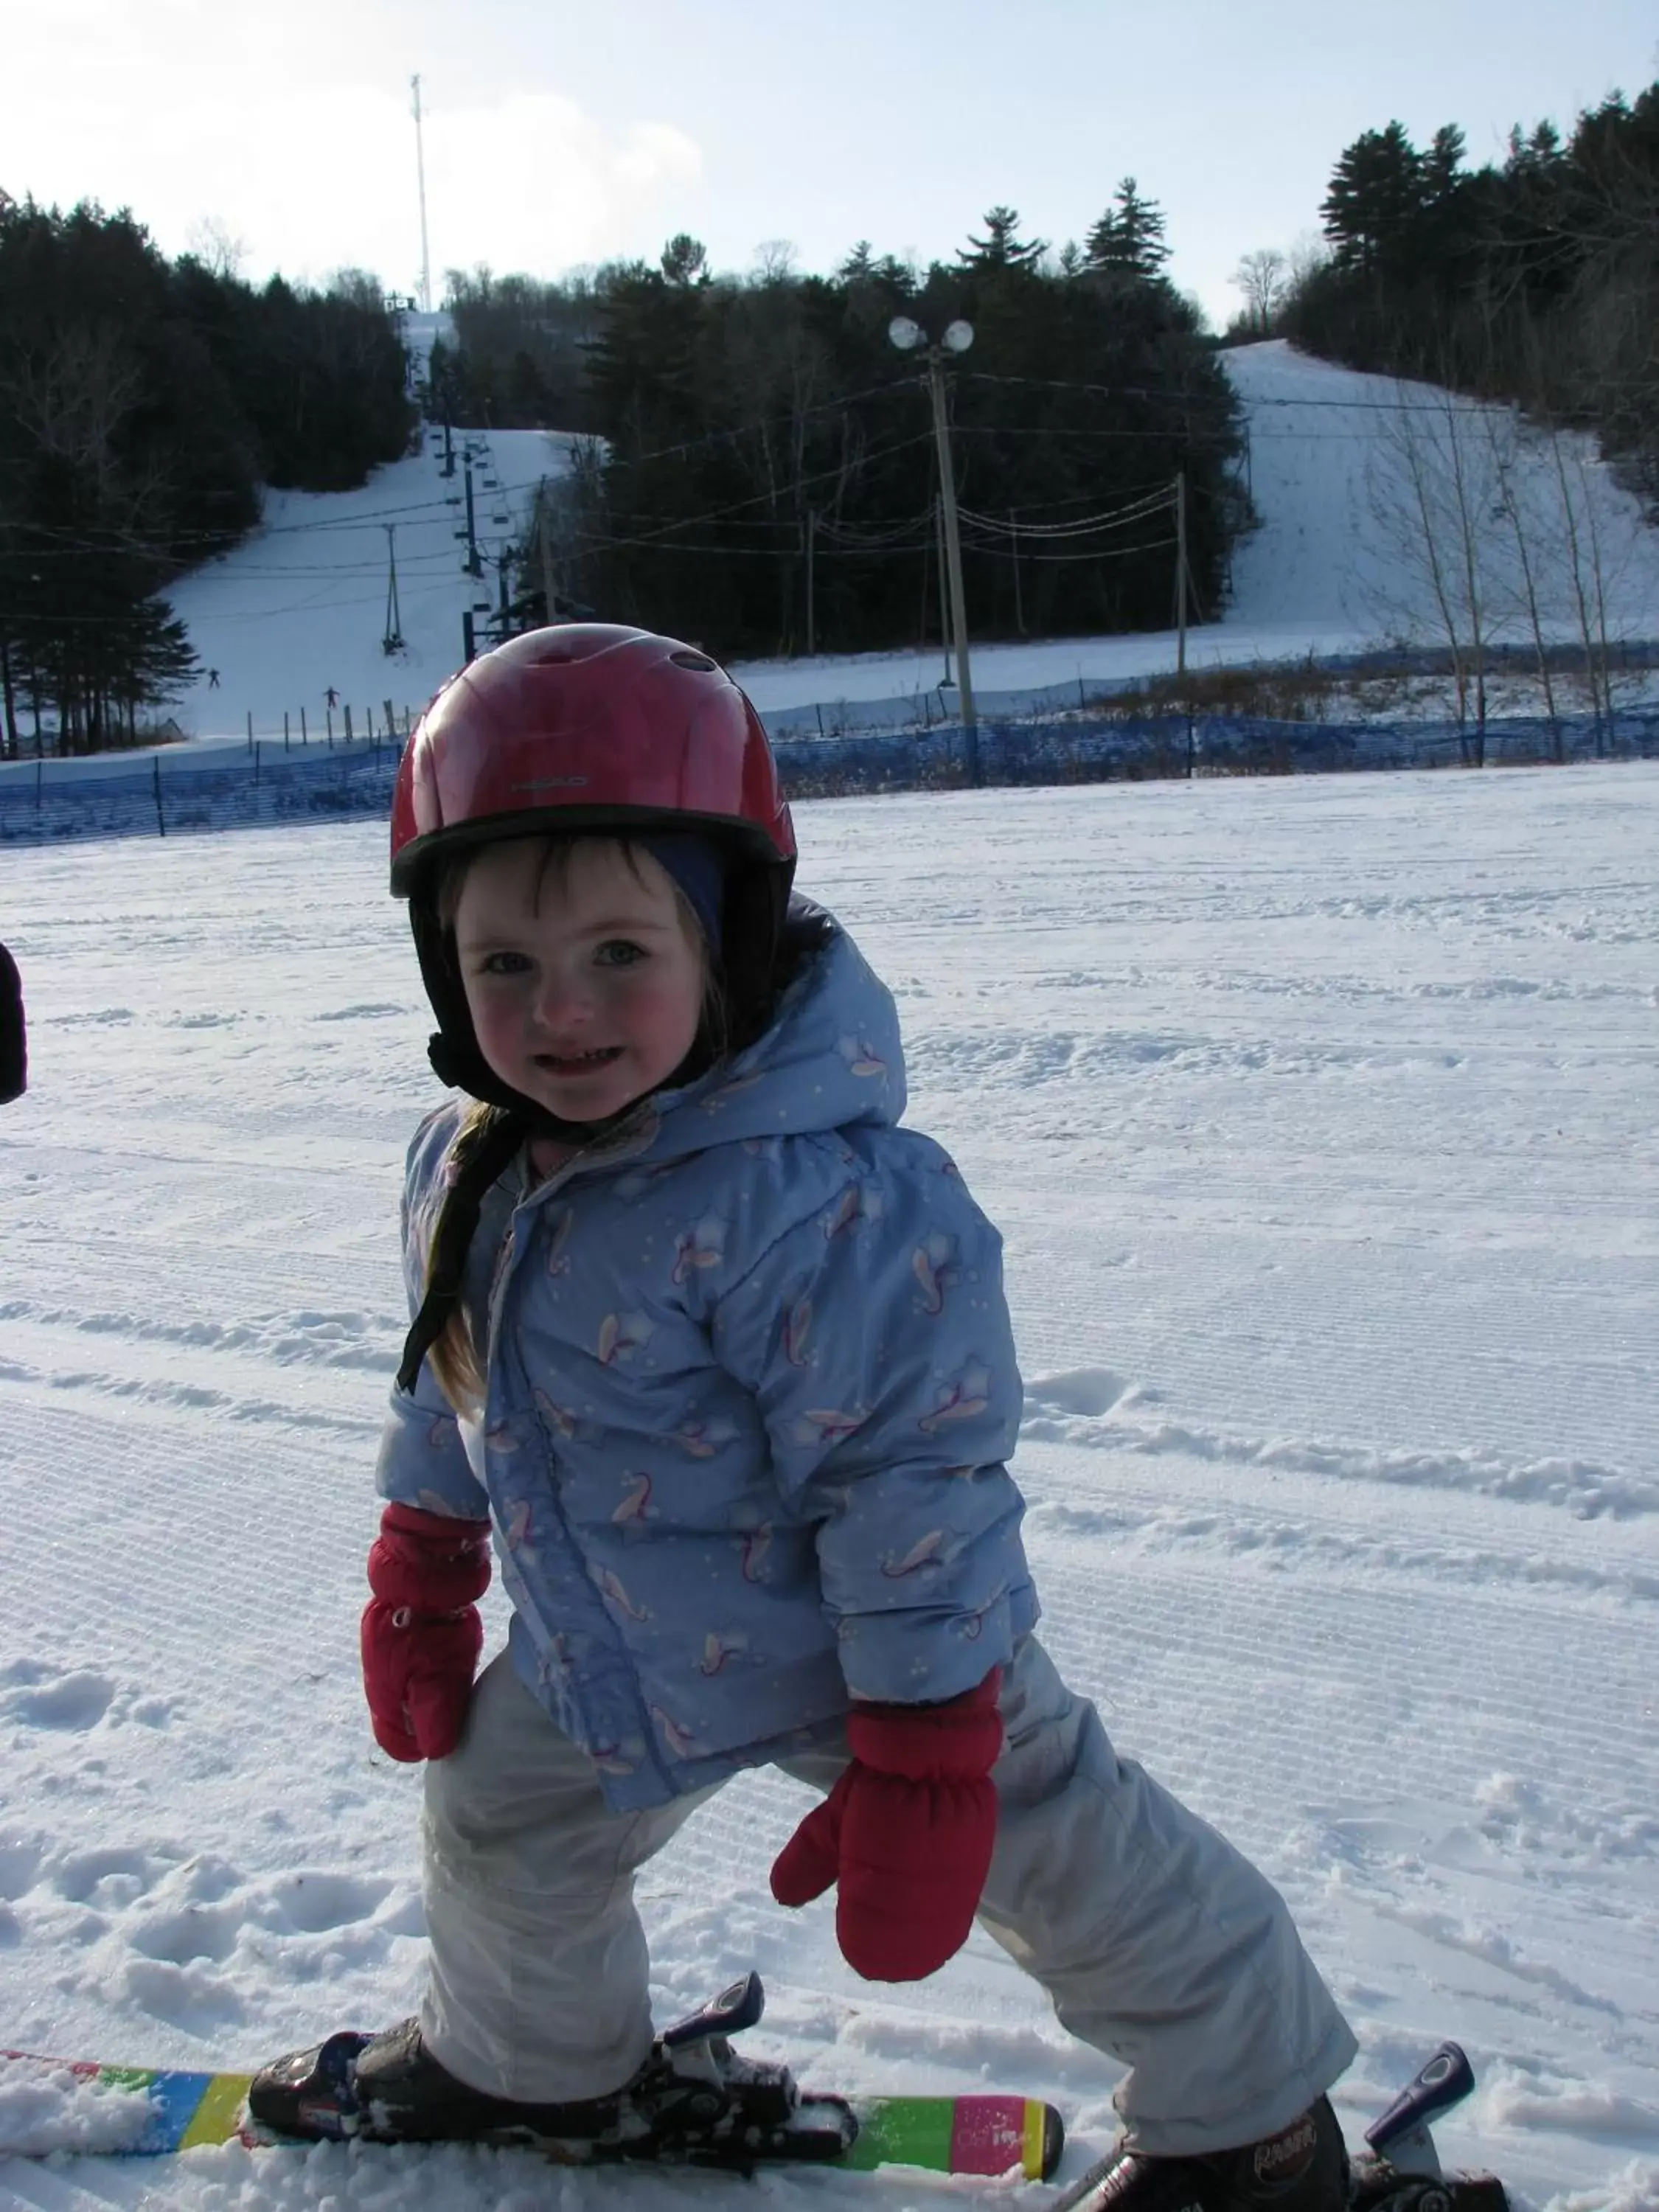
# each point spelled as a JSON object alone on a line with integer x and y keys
{"x": 599, "y": 728}
{"x": 586, "y": 725}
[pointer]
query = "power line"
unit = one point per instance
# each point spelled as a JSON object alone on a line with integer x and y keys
{"x": 1083, "y": 527}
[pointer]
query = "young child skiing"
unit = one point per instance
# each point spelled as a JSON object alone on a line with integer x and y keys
{"x": 716, "y": 1355}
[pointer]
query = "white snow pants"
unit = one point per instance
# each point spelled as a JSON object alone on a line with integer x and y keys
{"x": 1157, "y": 1941}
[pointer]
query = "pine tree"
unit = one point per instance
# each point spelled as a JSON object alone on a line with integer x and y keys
{"x": 1128, "y": 239}
{"x": 686, "y": 259}
{"x": 1000, "y": 248}
{"x": 1376, "y": 195}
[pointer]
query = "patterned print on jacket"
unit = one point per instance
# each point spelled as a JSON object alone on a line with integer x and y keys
{"x": 751, "y": 1390}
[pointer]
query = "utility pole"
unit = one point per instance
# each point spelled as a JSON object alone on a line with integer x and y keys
{"x": 10, "y": 748}
{"x": 944, "y": 590}
{"x": 812, "y": 616}
{"x": 420, "y": 173}
{"x": 957, "y": 338}
{"x": 544, "y": 545}
{"x": 952, "y": 536}
{"x": 1181, "y": 612}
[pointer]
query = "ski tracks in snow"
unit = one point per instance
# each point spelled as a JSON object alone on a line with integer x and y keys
{"x": 1318, "y": 1120}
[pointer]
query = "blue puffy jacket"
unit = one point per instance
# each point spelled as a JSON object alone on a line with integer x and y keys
{"x": 750, "y": 1385}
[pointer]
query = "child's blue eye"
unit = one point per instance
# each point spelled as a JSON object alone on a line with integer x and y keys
{"x": 619, "y": 953}
{"x": 503, "y": 964}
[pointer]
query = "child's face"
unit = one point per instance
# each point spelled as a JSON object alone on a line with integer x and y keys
{"x": 585, "y": 979}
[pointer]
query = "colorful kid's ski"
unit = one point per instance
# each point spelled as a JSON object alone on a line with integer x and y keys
{"x": 728, "y": 2113}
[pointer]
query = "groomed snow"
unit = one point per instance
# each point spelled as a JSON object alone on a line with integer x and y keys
{"x": 1319, "y": 1118}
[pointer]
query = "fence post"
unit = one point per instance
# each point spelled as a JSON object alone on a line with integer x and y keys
{"x": 256, "y": 768}
{"x": 161, "y": 825}
{"x": 348, "y": 720}
{"x": 285, "y": 729}
{"x": 304, "y": 739}
{"x": 249, "y": 729}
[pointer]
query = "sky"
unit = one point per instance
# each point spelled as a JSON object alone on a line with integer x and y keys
{"x": 559, "y": 135}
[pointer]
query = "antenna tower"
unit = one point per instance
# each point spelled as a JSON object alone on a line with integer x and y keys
{"x": 420, "y": 172}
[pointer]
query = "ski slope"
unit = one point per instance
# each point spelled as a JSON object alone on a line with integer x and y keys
{"x": 1318, "y": 1115}
{"x": 1350, "y": 471}
{"x": 301, "y": 604}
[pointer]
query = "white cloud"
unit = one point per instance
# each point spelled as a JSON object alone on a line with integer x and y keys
{"x": 536, "y": 183}
{"x": 292, "y": 129}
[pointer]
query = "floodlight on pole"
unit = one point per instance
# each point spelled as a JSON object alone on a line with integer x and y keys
{"x": 957, "y": 338}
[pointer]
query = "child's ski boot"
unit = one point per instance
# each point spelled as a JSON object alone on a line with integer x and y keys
{"x": 694, "y": 2101}
{"x": 1304, "y": 2168}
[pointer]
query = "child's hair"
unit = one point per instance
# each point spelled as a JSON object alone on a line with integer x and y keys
{"x": 490, "y": 1136}
{"x": 485, "y": 1142}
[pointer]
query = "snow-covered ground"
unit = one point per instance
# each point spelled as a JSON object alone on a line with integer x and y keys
{"x": 1319, "y": 1118}
{"x": 1334, "y": 461}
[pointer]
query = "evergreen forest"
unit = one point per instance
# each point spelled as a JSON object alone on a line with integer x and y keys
{"x": 764, "y": 471}
{"x": 143, "y": 403}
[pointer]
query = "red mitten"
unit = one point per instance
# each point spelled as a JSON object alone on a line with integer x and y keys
{"x": 421, "y": 1633}
{"x": 907, "y": 1831}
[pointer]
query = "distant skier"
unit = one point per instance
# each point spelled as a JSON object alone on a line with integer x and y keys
{"x": 332, "y": 697}
{"x": 14, "y": 1039}
{"x": 718, "y": 1353}
{"x": 213, "y": 679}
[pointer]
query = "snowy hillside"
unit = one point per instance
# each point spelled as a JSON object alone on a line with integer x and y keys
{"x": 1353, "y": 476}
{"x": 1318, "y": 1117}
{"x": 1337, "y": 464}
{"x": 302, "y": 604}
